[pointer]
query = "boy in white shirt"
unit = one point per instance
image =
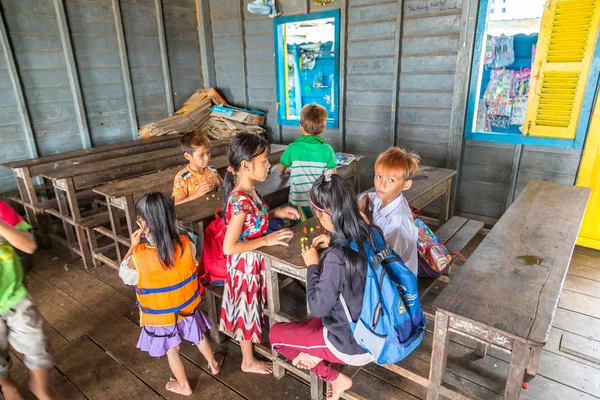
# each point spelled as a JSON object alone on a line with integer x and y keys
{"x": 394, "y": 170}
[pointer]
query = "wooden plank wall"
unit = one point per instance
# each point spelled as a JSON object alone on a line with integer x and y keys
{"x": 33, "y": 34}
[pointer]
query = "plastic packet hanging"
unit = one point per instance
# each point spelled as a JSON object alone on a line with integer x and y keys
{"x": 498, "y": 121}
{"x": 504, "y": 51}
{"x": 498, "y": 88}
{"x": 520, "y": 84}
{"x": 482, "y": 123}
{"x": 490, "y": 47}
{"x": 519, "y": 108}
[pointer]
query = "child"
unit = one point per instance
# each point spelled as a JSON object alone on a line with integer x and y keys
{"x": 307, "y": 158}
{"x": 394, "y": 170}
{"x": 246, "y": 217}
{"x": 164, "y": 271}
{"x": 197, "y": 179}
{"x": 21, "y": 325}
{"x": 327, "y": 338}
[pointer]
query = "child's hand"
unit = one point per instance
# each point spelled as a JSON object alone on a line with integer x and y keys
{"x": 363, "y": 201}
{"x": 322, "y": 241}
{"x": 205, "y": 188}
{"x": 281, "y": 237}
{"x": 310, "y": 255}
{"x": 286, "y": 212}
{"x": 136, "y": 238}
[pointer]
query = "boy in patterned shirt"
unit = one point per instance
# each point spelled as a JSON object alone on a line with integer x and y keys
{"x": 197, "y": 179}
{"x": 307, "y": 157}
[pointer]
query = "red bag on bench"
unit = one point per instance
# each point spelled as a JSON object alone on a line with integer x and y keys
{"x": 212, "y": 260}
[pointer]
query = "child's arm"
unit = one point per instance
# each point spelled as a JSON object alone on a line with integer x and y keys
{"x": 203, "y": 190}
{"x": 322, "y": 290}
{"x": 285, "y": 212}
{"x": 19, "y": 239}
{"x": 232, "y": 244}
{"x": 282, "y": 169}
{"x": 127, "y": 270}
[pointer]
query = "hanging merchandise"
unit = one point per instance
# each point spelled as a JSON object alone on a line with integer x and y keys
{"x": 498, "y": 88}
{"x": 490, "y": 47}
{"x": 482, "y": 123}
{"x": 499, "y": 121}
{"x": 519, "y": 108}
{"x": 533, "y": 49}
{"x": 520, "y": 84}
{"x": 318, "y": 81}
{"x": 499, "y": 108}
{"x": 504, "y": 51}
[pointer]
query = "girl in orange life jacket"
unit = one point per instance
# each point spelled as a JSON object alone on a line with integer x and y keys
{"x": 247, "y": 216}
{"x": 164, "y": 271}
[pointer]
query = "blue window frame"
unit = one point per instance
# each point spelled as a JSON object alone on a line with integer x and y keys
{"x": 479, "y": 77}
{"x": 317, "y": 79}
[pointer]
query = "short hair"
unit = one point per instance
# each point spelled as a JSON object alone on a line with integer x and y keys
{"x": 398, "y": 160}
{"x": 190, "y": 141}
{"x": 313, "y": 119}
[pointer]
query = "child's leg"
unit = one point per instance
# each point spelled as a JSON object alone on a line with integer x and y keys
{"x": 251, "y": 364}
{"x": 214, "y": 361}
{"x": 180, "y": 384}
{"x": 26, "y": 335}
{"x": 10, "y": 389}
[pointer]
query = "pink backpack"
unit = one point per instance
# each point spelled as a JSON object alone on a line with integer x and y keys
{"x": 213, "y": 263}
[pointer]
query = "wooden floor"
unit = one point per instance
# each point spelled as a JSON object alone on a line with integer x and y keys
{"x": 91, "y": 318}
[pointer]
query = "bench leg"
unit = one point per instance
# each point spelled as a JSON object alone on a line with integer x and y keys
{"x": 274, "y": 305}
{"x": 481, "y": 349}
{"x": 516, "y": 371}
{"x": 316, "y": 387}
{"x": 213, "y": 316}
{"x": 534, "y": 361}
{"x": 439, "y": 355}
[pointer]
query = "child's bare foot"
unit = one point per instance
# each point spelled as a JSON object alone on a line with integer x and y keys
{"x": 215, "y": 365}
{"x": 258, "y": 367}
{"x": 10, "y": 390}
{"x": 339, "y": 386}
{"x": 176, "y": 387}
{"x": 40, "y": 391}
{"x": 306, "y": 361}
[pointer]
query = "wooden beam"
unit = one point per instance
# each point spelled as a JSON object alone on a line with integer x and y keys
{"x": 207, "y": 56}
{"x": 461, "y": 92}
{"x": 74, "y": 83}
{"x": 396, "y": 77}
{"x": 17, "y": 87}
{"x": 242, "y": 27}
{"x": 514, "y": 174}
{"x": 164, "y": 58}
{"x": 125, "y": 69}
{"x": 343, "y": 71}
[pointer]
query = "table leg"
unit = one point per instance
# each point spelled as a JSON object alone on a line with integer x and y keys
{"x": 516, "y": 371}
{"x": 481, "y": 349}
{"x": 534, "y": 361}
{"x": 274, "y": 305}
{"x": 64, "y": 212}
{"x": 445, "y": 206}
{"x": 439, "y": 355}
{"x": 213, "y": 315}
{"x": 116, "y": 228}
{"x": 316, "y": 387}
{"x": 84, "y": 246}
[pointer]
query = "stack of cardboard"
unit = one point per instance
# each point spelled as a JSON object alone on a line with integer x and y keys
{"x": 192, "y": 116}
{"x": 221, "y": 122}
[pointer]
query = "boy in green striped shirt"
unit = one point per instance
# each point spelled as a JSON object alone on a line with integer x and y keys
{"x": 307, "y": 158}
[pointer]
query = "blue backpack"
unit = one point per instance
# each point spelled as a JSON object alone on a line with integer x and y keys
{"x": 391, "y": 323}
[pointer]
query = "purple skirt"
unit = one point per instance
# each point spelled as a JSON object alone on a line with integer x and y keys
{"x": 190, "y": 328}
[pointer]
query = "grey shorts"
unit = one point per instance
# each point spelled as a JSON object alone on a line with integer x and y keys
{"x": 22, "y": 327}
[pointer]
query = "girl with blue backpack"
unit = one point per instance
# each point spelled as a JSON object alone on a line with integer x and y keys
{"x": 319, "y": 342}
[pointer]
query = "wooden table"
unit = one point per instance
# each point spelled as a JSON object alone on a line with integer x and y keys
{"x": 26, "y": 170}
{"x": 67, "y": 181}
{"x": 121, "y": 196}
{"x": 507, "y": 292}
{"x": 430, "y": 183}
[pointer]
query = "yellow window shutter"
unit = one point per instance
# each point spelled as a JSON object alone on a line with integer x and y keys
{"x": 563, "y": 56}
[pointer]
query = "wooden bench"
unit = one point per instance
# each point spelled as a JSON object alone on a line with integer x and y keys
{"x": 26, "y": 170}
{"x": 507, "y": 292}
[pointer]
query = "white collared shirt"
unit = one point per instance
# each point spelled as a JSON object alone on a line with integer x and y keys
{"x": 398, "y": 226}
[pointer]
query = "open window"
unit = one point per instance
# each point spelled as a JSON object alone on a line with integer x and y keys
{"x": 534, "y": 73}
{"x": 307, "y": 60}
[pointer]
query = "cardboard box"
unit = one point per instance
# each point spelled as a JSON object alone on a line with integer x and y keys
{"x": 251, "y": 117}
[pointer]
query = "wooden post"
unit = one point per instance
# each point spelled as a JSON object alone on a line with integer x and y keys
{"x": 316, "y": 386}
{"x": 206, "y": 44}
{"x": 514, "y": 174}
{"x": 84, "y": 246}
{"x": 17, "y": 87}
{"x": 343, "y": 70}
{"x": 65, "y": 38}
{"x": 125, "y": 68}
{"x": 516, "y": 370}
{"x": 242, "y": 28}
{"x": 164, "y": 58}
{"x": 481, "y": 349}
{"x": 396, "y": 77}
{"x": 439, "y": 355}
{"x": 461, "y": 91}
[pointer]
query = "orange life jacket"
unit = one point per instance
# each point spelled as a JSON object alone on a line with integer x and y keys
{"x": 166, "y": 295}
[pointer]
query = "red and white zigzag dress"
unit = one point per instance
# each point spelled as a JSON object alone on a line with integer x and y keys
{"x": 245, "y": 293}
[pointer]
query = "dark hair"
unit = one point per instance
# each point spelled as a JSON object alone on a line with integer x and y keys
{"x": 336, "y": 196}
{"x": 243, "y": 147}
{"x": 158, "y": 212}
{"x": 190, "y": 141}
{"x": 313, "y": 119}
